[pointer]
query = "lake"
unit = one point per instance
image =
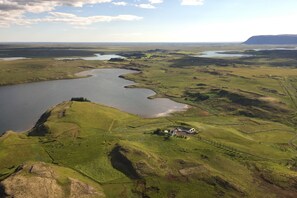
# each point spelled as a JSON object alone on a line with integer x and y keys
{"x": 220, "y": 54}
{"x": 95, "y": 57}
{"x": 229, "y": 54}
{"x": 13, "y": 58}
{"x": 22, "y": 105}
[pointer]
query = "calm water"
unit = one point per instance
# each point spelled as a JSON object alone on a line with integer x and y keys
{"x": 222, "y": 54}
{"x": 95, "y": 57}
{"x": 219, "y": 54}
{"x": 13, "y": 58}
{"x": 22, "y": 105}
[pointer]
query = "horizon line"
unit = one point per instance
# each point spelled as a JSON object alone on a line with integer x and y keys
{"x": 124, "y": 42}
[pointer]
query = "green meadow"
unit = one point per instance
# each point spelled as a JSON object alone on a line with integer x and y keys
{"x": 244, "y": 111}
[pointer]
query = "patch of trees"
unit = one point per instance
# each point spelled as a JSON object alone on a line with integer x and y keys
{"x": 80, "y": 99}
{"x": 158, "y": 132}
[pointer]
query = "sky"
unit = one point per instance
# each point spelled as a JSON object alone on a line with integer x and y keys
{"x": 144, "y": 20}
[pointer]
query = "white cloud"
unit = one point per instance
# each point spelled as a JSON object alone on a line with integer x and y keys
{"x": 155, "y": 1}
{"x": 120, "y": 3}
{"x": 13, "y": 12}
{"x": 149, "y": 5}
{"x": 68, "y": 18}
{"x": 192, "y": 2}
{"x": 146, "y": 6}
{"x": 72, "y": 19}
{"x": 12, "y": 17}
{"x": 37, "y": 6}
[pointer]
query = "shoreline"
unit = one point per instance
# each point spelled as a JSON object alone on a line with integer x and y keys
{"x": 89, "y": 73}
{"x": 170, "y": 107}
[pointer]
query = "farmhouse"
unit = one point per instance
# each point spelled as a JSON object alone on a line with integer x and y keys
{"x": 179, "y": 131}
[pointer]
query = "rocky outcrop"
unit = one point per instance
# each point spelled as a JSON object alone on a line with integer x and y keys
{"x": 79, "y": 189}
{"x": 41, "y": 180}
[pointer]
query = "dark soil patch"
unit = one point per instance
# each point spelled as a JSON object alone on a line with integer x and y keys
{"x": 2, "y": 192}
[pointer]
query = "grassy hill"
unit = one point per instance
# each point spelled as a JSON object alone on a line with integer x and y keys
{"x": 230, "y": 156}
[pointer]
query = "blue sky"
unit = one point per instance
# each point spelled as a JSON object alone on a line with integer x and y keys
{"x": 144, "y": 20}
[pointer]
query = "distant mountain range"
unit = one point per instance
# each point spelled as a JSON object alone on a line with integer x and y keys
{"x": 288, "y": 39}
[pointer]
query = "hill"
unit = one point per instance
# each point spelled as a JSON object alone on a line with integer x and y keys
{"x": 272, "y": 40}
{"x": 110, "y": 153}
{"x": 244, "y": 110}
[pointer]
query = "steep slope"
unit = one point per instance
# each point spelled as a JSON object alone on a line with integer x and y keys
{"x": 272, "y": 40}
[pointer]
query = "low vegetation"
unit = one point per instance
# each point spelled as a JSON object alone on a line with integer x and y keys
{"x": 245, "y": 112}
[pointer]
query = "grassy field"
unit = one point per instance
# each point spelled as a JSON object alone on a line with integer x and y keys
{"x": 42, "y": 69}
{"x": 244, "y": 110}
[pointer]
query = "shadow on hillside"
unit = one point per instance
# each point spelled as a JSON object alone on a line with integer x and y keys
{"x": 120, "y": 162}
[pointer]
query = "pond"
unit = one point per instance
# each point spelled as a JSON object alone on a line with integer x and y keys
{"x": 220, "y": 54}
{"x": 95, "y": 57}
{"x": 22, "y": 105}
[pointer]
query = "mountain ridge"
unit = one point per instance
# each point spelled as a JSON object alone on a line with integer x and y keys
{"x": 283, "y": 39}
